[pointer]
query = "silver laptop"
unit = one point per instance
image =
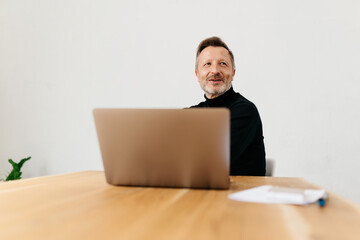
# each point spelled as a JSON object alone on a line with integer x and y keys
{"x": 187, "y": 148}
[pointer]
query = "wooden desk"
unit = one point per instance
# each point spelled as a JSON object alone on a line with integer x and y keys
{"x": 83, "y": 206}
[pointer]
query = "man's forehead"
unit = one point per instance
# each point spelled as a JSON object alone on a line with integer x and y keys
{"x": 215, "y": 51}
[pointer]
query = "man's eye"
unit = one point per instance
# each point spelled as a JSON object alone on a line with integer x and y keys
{"x": 223, "y": 64}
{"x": 206, "y": 64}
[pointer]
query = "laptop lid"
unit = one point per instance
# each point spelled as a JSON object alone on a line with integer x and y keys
{"x": 165, "y": 147}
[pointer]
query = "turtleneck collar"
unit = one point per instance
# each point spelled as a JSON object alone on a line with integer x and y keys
{"x": 223, "y": 100}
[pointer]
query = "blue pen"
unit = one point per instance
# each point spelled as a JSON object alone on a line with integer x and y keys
{"x": 322, "y": 200}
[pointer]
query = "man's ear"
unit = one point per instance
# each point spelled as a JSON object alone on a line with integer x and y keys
{"x": 233, "y": 72}
{"x": 197, "y": 77}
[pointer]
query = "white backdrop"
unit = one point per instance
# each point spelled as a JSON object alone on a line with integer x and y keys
{"x": 298, "y": 61}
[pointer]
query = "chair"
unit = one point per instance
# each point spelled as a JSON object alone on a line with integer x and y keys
{"x": 269, "y": 167}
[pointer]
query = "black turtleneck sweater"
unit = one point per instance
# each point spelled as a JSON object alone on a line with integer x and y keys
{"x": 247, "y": 141}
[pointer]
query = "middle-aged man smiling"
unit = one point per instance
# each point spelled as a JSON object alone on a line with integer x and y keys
{"x": 215, "y": 70}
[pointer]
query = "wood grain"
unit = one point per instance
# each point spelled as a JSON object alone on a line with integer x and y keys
{"x": 83, "y": 206}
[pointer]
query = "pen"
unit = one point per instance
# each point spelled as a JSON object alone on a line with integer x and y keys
{"x": 322, "y": 200}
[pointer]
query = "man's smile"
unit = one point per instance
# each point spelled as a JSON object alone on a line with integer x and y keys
{"x": 217, "y": 79}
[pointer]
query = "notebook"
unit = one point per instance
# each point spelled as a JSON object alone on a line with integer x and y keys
{"x": 188, "y": 148}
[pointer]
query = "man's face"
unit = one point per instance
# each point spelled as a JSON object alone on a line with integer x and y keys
{"x": 215, "y": 71}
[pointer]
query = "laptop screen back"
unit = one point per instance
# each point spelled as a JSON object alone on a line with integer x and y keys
{"x": 165, "y": 147}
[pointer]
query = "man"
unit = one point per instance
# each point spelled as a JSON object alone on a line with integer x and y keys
{"x": 215, "y": 69}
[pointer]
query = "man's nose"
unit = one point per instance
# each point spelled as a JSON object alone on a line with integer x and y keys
{"x": 214, "y": 69}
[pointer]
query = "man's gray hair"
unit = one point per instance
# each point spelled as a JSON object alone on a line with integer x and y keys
{"x": 213, "y": 42}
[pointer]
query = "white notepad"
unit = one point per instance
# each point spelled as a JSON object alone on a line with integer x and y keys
{"x": 279, "y": 195}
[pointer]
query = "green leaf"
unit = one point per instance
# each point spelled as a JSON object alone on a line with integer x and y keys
{"x": 14, "y": 165}
{"x": 21, "y": 163}
{"x": 16, "y": 173}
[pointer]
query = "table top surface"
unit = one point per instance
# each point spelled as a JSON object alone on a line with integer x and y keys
{"x": 83, "y": 206}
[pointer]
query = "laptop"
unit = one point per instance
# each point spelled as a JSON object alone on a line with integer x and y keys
{"x": 187, "y": 148}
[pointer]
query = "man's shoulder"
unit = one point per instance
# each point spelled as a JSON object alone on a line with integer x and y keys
{"x": 241, "y": 101}
{"x": 242, "y": 105}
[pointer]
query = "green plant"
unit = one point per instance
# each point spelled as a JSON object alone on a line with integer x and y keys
{"x": 15, "y": 172}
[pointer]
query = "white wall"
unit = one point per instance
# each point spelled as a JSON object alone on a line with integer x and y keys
{"x": 297, "y": 60}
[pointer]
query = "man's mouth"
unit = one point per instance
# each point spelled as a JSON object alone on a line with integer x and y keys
{"x": 215, "y": 80}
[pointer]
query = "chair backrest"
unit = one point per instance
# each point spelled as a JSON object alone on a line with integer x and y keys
{"x": 269, "y": 167}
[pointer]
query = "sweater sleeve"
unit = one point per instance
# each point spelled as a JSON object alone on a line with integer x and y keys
{"x": 247, "y": 147}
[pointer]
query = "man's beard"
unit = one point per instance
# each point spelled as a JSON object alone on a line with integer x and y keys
{"x": 217, "y": 91}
